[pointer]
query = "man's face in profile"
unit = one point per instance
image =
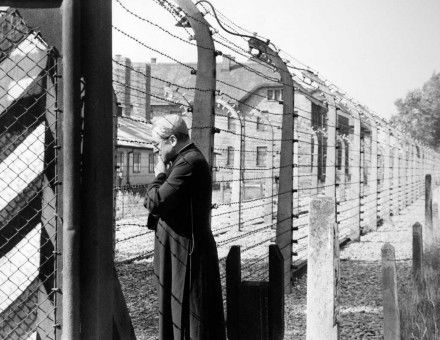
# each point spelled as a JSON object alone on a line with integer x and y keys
{"x": 165, "y": 147}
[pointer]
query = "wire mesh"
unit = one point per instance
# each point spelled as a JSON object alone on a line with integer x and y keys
{"x": 29, "y": 182}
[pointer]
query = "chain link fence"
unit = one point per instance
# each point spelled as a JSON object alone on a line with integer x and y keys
{"x": 28, "y": 182}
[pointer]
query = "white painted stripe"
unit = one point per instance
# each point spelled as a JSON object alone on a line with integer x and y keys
{"x": 19, "y": 267}
{"x": 22, "y": 166}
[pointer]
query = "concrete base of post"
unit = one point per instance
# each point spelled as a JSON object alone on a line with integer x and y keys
{"x": 322, "y": 271}
{"x": 391, "y": 314}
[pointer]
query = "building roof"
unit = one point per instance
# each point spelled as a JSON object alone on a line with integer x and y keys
{"x": 235, "y": 80}
{"x": 134, "y": 133}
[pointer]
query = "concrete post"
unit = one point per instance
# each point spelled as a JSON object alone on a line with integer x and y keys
{"x": 428, "y": 232}
{"x": 391, "y": 313}
{"x": 285, "y": 192}
{"x": 330, "y": 171}
{"x": 417, "y": 248}
{"x": 356, "y": 174}
{"x": 396, "y": 179}
{"x": 372, "y": 197}
{"x": 386, "y": 176}
{"x": 322, "y": 270}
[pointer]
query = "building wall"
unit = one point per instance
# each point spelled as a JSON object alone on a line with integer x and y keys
{"x": 125, "y": 174}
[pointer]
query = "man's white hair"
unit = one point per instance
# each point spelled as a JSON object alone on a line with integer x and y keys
{"x": 167, "y": 125}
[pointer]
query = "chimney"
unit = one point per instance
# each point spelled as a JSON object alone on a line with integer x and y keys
{"x": 153, "y": 61}
{"x": 148, "y": 112}
{"x": 229, "y": 64}
{"x": 127, "y": 92}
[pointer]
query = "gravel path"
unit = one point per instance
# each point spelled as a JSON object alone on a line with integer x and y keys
{"x": 360, "y": 299}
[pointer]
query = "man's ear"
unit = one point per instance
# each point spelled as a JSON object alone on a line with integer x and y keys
{"x": 173, "y": 140}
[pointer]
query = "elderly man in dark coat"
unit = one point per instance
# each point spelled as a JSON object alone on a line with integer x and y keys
{"x": 185, "y": 254}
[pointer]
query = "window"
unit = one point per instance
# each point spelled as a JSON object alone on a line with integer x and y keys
{"x": 343, "y": 125}
{"x": 270, "y": 95}
{"x": 261, "y": 155}
{"x": 339, "y": 155}
{"x": 136, "y": 162}
{"x": 347, "y": 160}
{"x": 260, "y": 125}
{"x": 319, "y": 117}
{"x": 151, "y": 162}
{"x": 275, "y": 94}
{"x": 322, "y": 156}
{"x": 230, "y": 156}
{"x": 120, "y": 160}
{"x": 231, "y": 123}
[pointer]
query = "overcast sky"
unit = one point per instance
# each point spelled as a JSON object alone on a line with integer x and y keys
{"x": 375, "y": 50}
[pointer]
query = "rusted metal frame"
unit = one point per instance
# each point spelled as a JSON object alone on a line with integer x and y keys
{"x": 71, "y": 170}
{"x": 96, "y": 239}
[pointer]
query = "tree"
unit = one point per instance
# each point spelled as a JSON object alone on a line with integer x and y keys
{"x": 419, "y": 113}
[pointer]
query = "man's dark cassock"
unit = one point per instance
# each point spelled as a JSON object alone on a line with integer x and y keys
{"x": 185, "y": 254}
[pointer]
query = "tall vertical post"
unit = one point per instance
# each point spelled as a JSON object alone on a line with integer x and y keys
{"x": 71, "y": 170}
{"x": 330, "y": 171}
{"x": 417, "y": 251}
{"x": 391, "y": 315}
{"x": 372, "y": 197}
{"x": 96, "y": 251}
{"x": 322, "y": 270}
{"x": 396, "y": 173}
{"x": 428, "y": 233}
{"x": 285, "y": 192}
{"x": 356, "y": 177}
{"x": 204, "y": 97}
{"x": 386, "y": 199}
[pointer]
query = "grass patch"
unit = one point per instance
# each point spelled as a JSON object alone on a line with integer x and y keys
{"x": 419, "y": 301}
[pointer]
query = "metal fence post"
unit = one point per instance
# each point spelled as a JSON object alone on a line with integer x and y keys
{"x": 96, "y": 250}
{"x": 71, "y": 173}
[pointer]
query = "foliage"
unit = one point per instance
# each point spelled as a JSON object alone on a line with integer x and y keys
{"x": 419, "y": 113}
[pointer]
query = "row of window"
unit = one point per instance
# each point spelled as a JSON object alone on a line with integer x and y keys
{"x": 261, "y": 154}
{"x": 261, "y": 126}
{"x": 121, "y": 161}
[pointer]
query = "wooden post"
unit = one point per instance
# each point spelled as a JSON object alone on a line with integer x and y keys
{"x": 322, "y": 271}
{"x": 428, "y": 232}
{"x": 233, "y": 281}
{"x": 391, "y": 315}
{"x": 417, "y": 249}
{"x": 276, "y": 293}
